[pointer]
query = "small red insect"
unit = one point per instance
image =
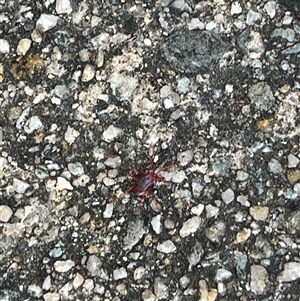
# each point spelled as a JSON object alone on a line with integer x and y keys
{"x": 144, "y": 181}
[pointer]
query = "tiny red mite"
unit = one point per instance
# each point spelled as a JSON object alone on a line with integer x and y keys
{"x": 144, "y": 181}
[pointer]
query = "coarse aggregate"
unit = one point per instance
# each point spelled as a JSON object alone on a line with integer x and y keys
{"x": 93, "y": 94}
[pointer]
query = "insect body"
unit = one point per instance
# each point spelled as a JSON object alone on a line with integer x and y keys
{"x": 145, "y": 179}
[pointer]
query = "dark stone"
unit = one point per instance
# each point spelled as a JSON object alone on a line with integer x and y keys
{"x": 191, "y": 52}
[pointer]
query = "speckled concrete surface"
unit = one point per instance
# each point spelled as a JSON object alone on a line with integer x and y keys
{"x": 94, "y": 97}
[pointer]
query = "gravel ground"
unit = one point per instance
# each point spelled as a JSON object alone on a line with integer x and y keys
{"x": 94, "y": 94}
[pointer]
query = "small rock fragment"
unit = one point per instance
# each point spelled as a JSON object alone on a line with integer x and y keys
{"x": 4, "y": 46}
{"x": 64, "y": 266}
{"x": 111, "y": 133}
{"x": 108, "y": 210}
{"x": 5, "y": 213}
{"x": 259, "y": 213}
{"x": 23, "y": 46}
{"x": 222, "y": 274}
{"x": 160, "y": 289}
{"x": 275, "y": 166}
{"x": 259, "y": 279}
{"x": 76, "y": 168}
{"x": 291, "y": 272}
{"x": 46, "y": 22}
{"x": 62, "y": 184}
{"x": 120, "y": 273}
{"x": 70, "y": 135}
{"x": 270, "y": 8}
{"x": 166, "y": 247}
{"x": 185, "y": 157}
{"x": 135, "y": 232}
{"x": 198, "y": 209}
{"x": 32, "y": 124}
{"x": 156, "y": 224}
{"x": 20, "y": 186}
{"x": 228, "y": 196}
{"x": 236, "y": 8}
{"x": 292, "y": 161}
{"x": 93, "y": 265}
{"x": 35, "y": 291}
{"x": 78, "y": 281}
{"x": 243, "y": 235}
{"x": 51, "y": 297}
{"x": 113, "y": 162}
{"x": 63, "y": 7}
{"x": 88, "y": 73}
{"x": 190, "y": 226}
{"x": 216, "y": 232}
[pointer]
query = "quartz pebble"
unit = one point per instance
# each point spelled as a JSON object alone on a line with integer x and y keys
{"x": 23, "y": 46}
{"x": 259, "y": 279}
{"x": 35, "y": 291}
{"x": 166, "y": 247}
{"x": 108, "y": 210}
{"x": 156, "y": 224}
{"x": 111, "y": 133}
{"x": 4, "y": 46}
{"x": 223, "y": 274}
{"x": 5, "y": 213}
{"x": 88, "y": 73}
{"x": 235, "y": 8}
{"x": 270, "y": 8}
{"x": 76, "y": 168}
{"x": 62, "y": 184}
{"x": 93, "y": 265}
{"x": 120, "y": 273}
{"x": 32, "y": 124}
{"x": 275, "y": 166}
{"x": 228, "y": 196}
{"x": 51, "y": 297}
{"x": 185, "y": 157}
{"x": 160, "y": 289}
{"x": 135, "y": 232}
{"x": 190, "y": 226}
{"x": 64, "y": 266}
{"x": 46, "y": 22}
{"x": 292, "y": 161}
{"x": 113, "y": 162}
{"x": 291, "y": 272}
{"x": 71, "y": 135}
{"x": 63, "y": 7}
{"x": 20, "y": 186}
{"x": 259, "y": 213}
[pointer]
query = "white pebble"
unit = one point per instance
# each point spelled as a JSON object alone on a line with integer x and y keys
{"x": 120, "y": 273}
{"x": 228, "y": 196}
{"x": 62, "y": 184}
{"x": 46, "y": 22}
{"x": 190, "y": 226}
{"x": 270, "y": 8}
{"x": 47, "y": 283}
{"x": 78, "y": 281}
{"x": 32, "y": 124}
{"x": 166, "y": 247}
{"x": 108, "y": 210}
{"x": 252, "y": 17}
{"x": 5, "y": 213}
{"x": 147, "y": 42}
{"x": 259, "y": 213}
{"x": 63, "y": 7}
{"x": 223, "y": 274}
{"x": 291, "y": 272}
{"x": 111, "y": 133}
{"x": 34, "y": 291}
{"x": 63, "y": 266}
{"x": 23, "y": 46}
{"x": 71, "y": 135}
{"x": 292, "y": 161}
{"x": 275, "y": 166}
{"x": 20, "y": 186}
{"x": 4, "y": 46}
{"x": 88, "y": 73}
{"x": 76, "y": 168}
{"x": 197, "y": 210}
{"x": 51, "y": 297}
{"x": 185, "y": 157}
{"x": 113, "y": 162}
{"x": 156, "y": 224}
{"x": 235, "y": 8}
